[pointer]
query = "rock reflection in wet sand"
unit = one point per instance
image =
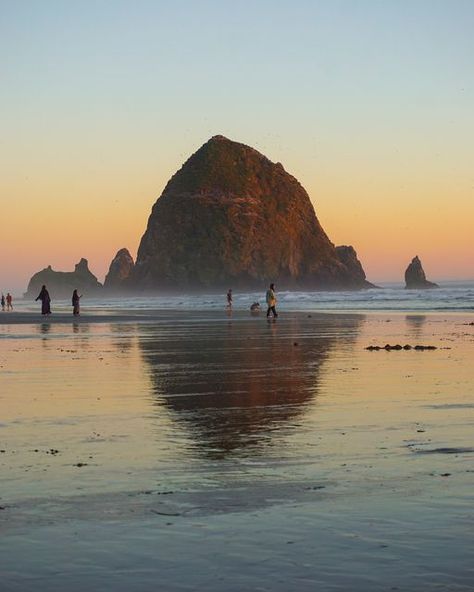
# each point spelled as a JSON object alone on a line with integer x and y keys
{"x": 232, "y": 386}
{"x": 261, "y": 453}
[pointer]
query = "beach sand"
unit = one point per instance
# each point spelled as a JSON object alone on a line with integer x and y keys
{"x": 205, "y": 451}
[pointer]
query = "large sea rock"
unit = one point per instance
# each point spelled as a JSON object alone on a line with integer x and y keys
{"x": 119, "y": 271}
{"x": 232, "y": 218}
{"x": 60, "y": 284}
{"x": 415, "y": 277}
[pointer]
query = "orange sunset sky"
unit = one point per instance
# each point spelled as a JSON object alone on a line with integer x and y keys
{"x": 368, "y": 104}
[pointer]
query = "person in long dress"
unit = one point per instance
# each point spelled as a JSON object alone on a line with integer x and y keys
{"x": 45, "y": 301}
{"x": 76, "y": 300}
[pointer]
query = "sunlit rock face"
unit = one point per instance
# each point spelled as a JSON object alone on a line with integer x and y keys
{"x": 231, "y": 217}
{"x": 415, "y": 277}
{"x": 120, "y": 270}
{"x": 61, "y": 284}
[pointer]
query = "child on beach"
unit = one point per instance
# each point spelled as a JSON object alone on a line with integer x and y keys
{"x": 229, "y": 298}
{"x": 3, "y": 302}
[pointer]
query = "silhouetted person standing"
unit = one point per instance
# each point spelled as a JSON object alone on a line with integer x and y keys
{"x": 229, "y": 298}
{"x": 76, "y": 299}
{"x": 9, "y": 301}
{"x": 3, "y": 302}
{"x": 45, "y": 301}
{"x": 271, "y": 301}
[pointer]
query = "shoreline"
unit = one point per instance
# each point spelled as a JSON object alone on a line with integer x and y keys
{"x": 165, "y": 314}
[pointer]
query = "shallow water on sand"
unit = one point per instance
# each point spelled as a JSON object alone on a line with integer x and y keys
{"x": 141, "y": 453}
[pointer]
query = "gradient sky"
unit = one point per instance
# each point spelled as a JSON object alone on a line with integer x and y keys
{"x": 368, "y": 103}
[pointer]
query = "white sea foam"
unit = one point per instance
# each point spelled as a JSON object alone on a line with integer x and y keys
{"x": 450, "y": 297}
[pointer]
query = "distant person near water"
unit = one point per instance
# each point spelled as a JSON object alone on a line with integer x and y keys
{"x": 9, "y": 301}
{"x": 3, "y": 302}
{"x": 229, "y": 298}
{"x": 45, "y": 301}
{"x": 76, "y": 303}
{"x": 271, "y": 301}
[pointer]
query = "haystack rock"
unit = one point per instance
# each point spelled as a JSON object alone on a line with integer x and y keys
{"x": 231, "y": 217}
{"x": 415, "y": 277}
{"x": 119, "y": 271}
{"x": 61, "y": 284}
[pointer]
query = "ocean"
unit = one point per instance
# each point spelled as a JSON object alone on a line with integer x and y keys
{"x": 450, "y": 297}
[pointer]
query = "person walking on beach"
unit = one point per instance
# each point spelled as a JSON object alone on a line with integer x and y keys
{"x": 76, "y": 303}
{"x": 229, "y": 298}
{"x": 9, "y": 301}
{"x": 271, "y": 301}
{"x": 3, "y": 302}
{"x": 45, "y": 301}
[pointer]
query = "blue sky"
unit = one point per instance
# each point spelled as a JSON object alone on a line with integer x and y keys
{"x": 368, "y": 104}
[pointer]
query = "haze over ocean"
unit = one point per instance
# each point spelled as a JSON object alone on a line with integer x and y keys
{"x": 452, "y": 297}
{"x": 368, "y": 104}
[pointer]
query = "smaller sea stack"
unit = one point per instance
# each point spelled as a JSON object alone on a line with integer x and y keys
{"x": 60, "y": 284}
{"x": 119, "y": 271}
{"x": 415, "y": 278}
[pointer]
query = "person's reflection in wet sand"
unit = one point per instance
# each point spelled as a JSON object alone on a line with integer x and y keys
{"x": 415, "y": 325}
{"x": 124, "y": 335}
{"x": 82, "y": 330}
{"x": 231, "y": 387}
{"x": 44, "y": 329}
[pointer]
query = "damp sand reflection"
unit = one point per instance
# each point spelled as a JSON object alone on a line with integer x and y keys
{"x": 254, "y": 435}
{"x": 231, "y": 386}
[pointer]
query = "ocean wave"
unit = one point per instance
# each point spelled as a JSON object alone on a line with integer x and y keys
{"x": 454, "y": 297}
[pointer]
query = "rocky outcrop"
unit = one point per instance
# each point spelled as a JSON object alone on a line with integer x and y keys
{"x": 119, "y": 271}
{"x": 231, "y": 217}
{"x": 348, "y": 257}
{"x": 60, "y": 284}
{"x": 415, "y": 277}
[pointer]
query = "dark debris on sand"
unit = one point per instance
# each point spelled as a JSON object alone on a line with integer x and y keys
{"x": 399, "y": 347}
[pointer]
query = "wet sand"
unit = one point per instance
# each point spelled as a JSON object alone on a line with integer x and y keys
{"x": 199, "y": 451}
